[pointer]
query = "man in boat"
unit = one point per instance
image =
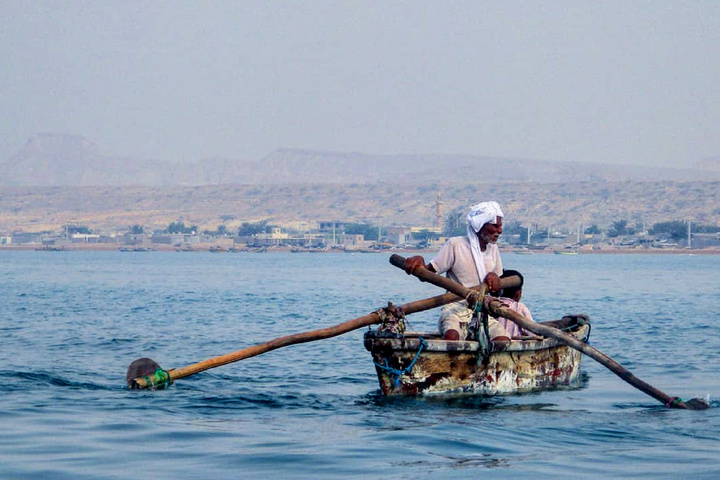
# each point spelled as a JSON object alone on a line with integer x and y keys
{"x": 510, "y": 297}
{"x": 470, "y": 260}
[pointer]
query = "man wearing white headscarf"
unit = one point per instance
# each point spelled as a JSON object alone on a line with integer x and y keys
{"x": 470, "y": 260}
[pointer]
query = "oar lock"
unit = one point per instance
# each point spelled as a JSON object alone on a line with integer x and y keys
{"x": 392, "y": 319}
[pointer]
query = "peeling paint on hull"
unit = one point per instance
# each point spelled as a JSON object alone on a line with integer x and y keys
{"x": 452, "y": 367}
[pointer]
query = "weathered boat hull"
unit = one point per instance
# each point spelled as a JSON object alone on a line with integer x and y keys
{"x": 454, "y": 367}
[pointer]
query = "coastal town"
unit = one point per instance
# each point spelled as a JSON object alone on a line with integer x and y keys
{"x": 339, "y": 236}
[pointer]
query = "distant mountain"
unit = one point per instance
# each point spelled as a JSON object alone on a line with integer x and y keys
{"x": 286, "y": 166}
{"x": 709, "y": 163}
{"x": 71, "y": 160}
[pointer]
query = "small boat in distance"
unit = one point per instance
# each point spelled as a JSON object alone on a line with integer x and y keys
{"x": 414, "y": 363}
{"x": 567, "y": 250}
{"x": 50, "y": 248}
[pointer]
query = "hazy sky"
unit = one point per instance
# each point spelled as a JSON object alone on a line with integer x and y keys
{"x": 619, "y": 82}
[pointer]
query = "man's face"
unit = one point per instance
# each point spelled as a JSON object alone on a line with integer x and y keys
{"x": 490, "y": 232}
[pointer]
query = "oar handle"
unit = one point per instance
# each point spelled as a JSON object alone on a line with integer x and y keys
{"x": 446, "y": 283}
{"x": 498, "y": 309}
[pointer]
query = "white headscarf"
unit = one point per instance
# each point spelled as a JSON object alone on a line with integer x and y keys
{"x": 480, "y": 214}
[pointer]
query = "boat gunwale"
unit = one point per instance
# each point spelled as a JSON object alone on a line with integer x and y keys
{"x": 411, "y": 341}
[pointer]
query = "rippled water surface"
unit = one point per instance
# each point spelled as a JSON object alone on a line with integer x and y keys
{"x": 71, "y": 323}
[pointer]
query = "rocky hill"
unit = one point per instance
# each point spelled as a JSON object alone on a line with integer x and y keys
{"x": 562, "y": 205}
{"x": 57, "y": 179}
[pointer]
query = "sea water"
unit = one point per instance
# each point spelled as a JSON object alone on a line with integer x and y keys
{"x": 72, "y": 322}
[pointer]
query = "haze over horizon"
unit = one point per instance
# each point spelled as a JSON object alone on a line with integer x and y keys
{"x": 632, "y": 83}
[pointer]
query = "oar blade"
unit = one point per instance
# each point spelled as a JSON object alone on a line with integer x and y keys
{"x": 148, "y": 369}
{"x": 697, "y": 404}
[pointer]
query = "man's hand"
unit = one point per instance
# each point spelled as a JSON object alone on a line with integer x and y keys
{"x": 412, "y": 263}
{"x": 492, "y": 281}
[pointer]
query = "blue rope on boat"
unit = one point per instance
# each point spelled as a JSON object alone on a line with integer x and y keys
{"x": 395, "y": 372}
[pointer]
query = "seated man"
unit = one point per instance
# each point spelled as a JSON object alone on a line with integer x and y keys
{"x": 469, "y": 260}
{"x": 510, "y": 297}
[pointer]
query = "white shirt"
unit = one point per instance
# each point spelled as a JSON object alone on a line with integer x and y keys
{"x": 455, "y": 259}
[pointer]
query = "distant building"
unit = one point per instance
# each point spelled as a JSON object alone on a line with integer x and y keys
{"x": 135, "y": 239}
{"x": 277, "y": 238}
{"x": 71, "y": 229}
{"x": 397, "y": 235}
{"x": 20, "y": 238}
{"x": 84, "y": 238}
{"x": 351, "y": 239}
{"x": 332, "y": 231}
{"x": 54, "y": 241}
{"x": 176, "y": 239}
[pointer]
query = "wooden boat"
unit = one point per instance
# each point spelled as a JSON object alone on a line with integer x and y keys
{"x": 424, "y": 364}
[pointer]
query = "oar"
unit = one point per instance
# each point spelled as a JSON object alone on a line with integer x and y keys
{"x": 498, "y": 309}
{"x": 146, "y": 373}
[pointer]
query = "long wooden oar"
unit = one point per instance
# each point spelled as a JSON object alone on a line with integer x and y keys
{"x": 498, "y": 309}
{"x": 146, "y": 373}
